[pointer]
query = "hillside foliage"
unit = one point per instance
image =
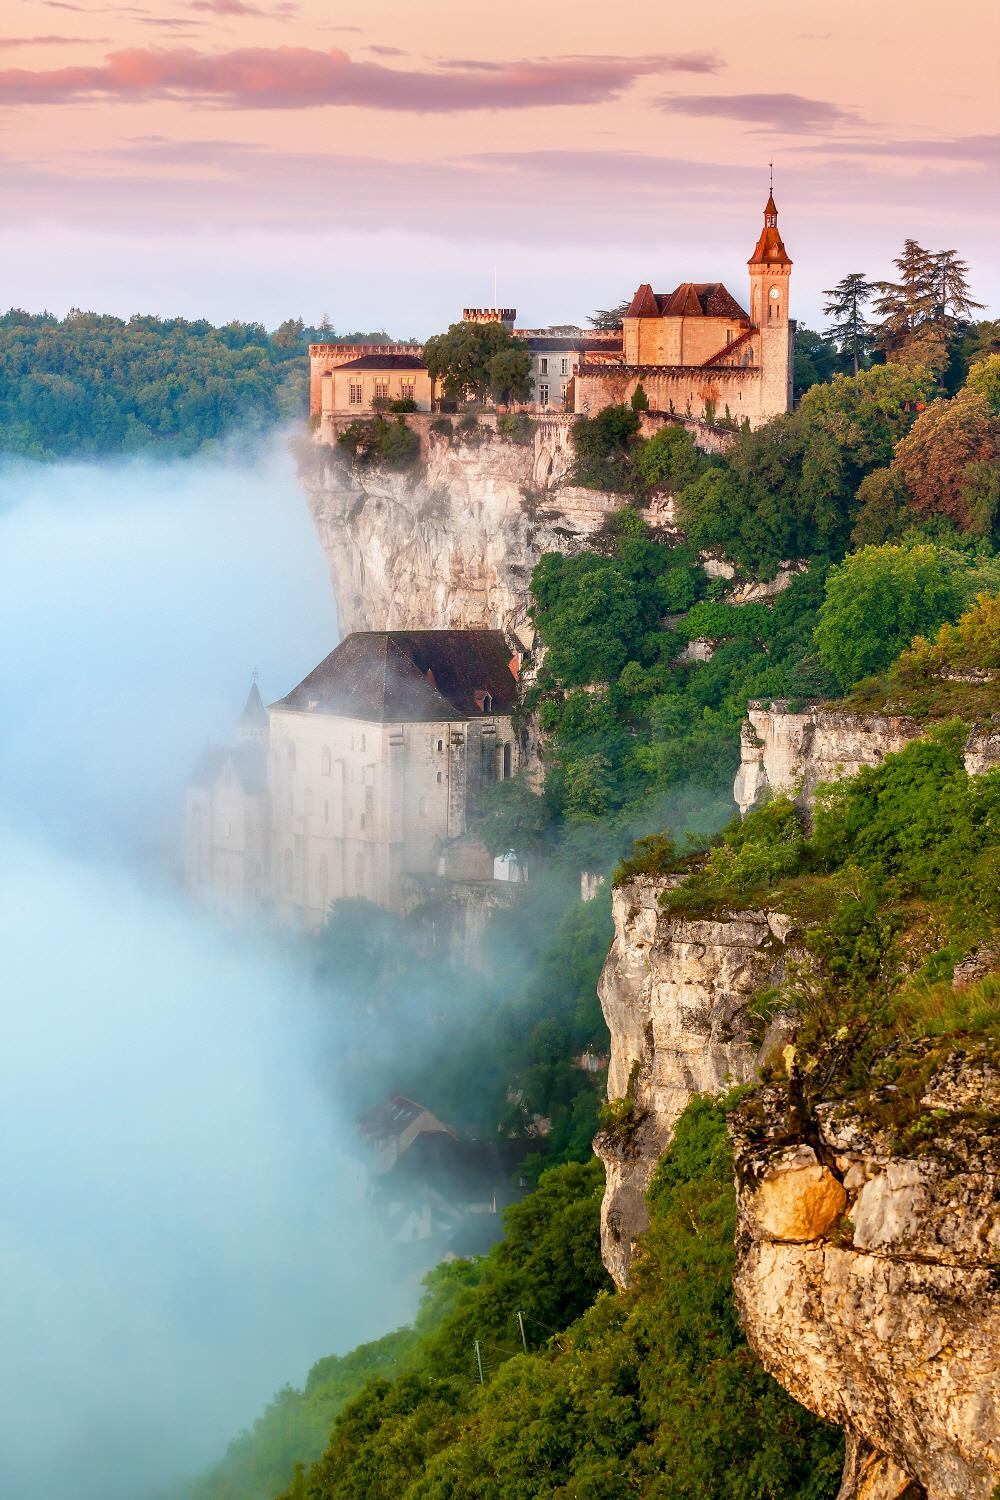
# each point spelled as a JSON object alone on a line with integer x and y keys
{"x": 91, "y": 384}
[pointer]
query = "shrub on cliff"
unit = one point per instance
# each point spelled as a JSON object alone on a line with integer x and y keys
{"x": 669, "y": 459}
{"x": 602, "y": 445}
{"x": 377, "y": 441}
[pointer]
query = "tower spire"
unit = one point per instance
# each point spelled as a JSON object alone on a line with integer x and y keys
{"x": 770, "y": 249}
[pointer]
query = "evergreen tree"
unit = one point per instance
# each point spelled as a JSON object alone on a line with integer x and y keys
{"x": 607, "y": 319}
{"x": 849, "y": 328}
{"x": 906, "y": 305}
{"x": 954, "y": 305}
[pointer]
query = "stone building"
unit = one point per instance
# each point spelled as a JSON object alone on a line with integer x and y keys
{"x": 360, "y": 781}
{"x": 376, "y": 760}
{"x": 697, "y": 353}
{"x": 227, "y": 816}
{"x": 372, "y": 382}
{"x": 324, "y": 359}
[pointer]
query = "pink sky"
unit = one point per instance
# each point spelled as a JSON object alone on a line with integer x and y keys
{"x": 237, "y": 158}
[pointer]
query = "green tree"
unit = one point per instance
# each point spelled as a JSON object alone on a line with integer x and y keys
{"x": 814, "y": 359}
{"x": 479, "y": 360}
{"x": 849, "y": 328}
{"x": 608, "y": 319}
{"x": 602, "y": 445}
{"x": 906, "y": 305}
{"x": 878, "y": 599}
{"x": 669, "y": 459}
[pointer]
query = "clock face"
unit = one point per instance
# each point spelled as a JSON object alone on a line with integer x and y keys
{"x": 774, "y": 294}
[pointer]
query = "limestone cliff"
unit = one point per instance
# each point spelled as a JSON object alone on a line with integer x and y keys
{"x": 867, "y": 1278}
{"x": 786, "y": 752}
{"x": 674, "y": 993}
{"x": 453, "y": 542}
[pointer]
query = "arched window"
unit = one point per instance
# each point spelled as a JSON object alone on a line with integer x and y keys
{"x": 506, "y": 761}
{"x": 440, "y": 777}
{"x": 324, "y": 881}
{"x": 440, "y": 744}
{"x": 288, "y": 871}
{"x": 325, "y": 762}
{"x": 363, "y": 743}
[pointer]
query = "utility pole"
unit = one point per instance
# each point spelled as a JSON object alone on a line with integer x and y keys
{"x": 520, "y": 1324}
{"x": 479, "y": 1364}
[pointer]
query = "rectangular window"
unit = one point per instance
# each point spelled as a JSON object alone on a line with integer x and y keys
{"x": 565, "y": 366}
{"x": 543, "y": 395}
{"x": 543, "y": 367}
{"x": 406, "y": 388}
{"x": 355, "y": 394}
{"x": 381, "y": 390}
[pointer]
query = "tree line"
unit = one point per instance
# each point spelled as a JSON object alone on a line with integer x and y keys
{"x": 91, "y": 384}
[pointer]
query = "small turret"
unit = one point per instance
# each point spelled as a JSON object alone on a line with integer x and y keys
{"x": 252, "y": 724}
{"x": 770, "y": 247}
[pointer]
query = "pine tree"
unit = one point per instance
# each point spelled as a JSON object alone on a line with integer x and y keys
{"x": 850, "y": 330}
{"x": 954, "y": 305}
{"x": 907, "y": 308}
{"x": 608, "y": 319}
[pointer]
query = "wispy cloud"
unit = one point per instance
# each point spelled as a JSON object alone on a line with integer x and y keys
{"x": 50, "y": 41}
{"x": 791, "y": 113}
{"x": 281, "y": 12}
{"x": 976, "y": 150}
{"x": 302, "y": 77}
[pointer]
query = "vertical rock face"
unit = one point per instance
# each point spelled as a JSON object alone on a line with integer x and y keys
{"x": 674, "y": 993}
{"x": 785, "y": 753}
{"x": 867, "y": 1281}
{"x": 453, "y": 542}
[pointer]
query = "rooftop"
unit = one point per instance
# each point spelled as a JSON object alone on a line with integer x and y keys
{"x": 411, "y": 676}
{"x": 384, "y": 362}
{"x": 692, "y": 299}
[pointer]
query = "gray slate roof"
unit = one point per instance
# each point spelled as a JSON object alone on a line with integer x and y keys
{"x": 410, "y": 676}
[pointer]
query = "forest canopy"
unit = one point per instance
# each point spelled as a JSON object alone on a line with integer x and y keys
{"x": 94, "y": 384}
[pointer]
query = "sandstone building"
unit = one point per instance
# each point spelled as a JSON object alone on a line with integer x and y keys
{"x": 697, "y": 353}
{"x": 361, "y": 780}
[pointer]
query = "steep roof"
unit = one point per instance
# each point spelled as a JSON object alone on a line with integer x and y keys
{"x": 410, "y": 676}
{"x": 254, "y": 715}
{"x": 770, "y": 247}
{"x": 384, "y": 362}
{"x": 692, "y": 299}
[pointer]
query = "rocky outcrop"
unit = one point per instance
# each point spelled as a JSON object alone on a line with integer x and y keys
{"x": 674, "y": 992}
{"x": 867, "y": 1280}
{"x": 790, "y": 753}
{"x": 453, "y": 542}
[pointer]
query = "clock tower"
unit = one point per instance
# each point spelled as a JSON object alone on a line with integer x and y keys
{"x": 770, "y": 276}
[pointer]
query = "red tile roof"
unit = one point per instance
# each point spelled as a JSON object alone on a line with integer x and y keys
{"x": 692, "y": 299}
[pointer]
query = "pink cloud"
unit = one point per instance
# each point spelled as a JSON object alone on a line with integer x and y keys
{"x": 301, "y": 77}
{"x": 775, "y": 112}
{"x": 49, "y": 41}
{"x": 243, "y": 8}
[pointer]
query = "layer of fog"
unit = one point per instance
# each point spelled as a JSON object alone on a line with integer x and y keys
{"x": 182, "y": 1231}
